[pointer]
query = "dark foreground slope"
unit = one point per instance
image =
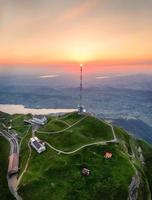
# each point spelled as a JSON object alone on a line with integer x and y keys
{"x": 75, "y": 142}
{"x": 4, "y": 153}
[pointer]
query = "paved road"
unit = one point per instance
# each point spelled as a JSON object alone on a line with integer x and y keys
{"x": 12, "y": 140}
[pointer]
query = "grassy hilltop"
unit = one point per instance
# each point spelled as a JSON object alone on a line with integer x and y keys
{"x": 81, "y": 141}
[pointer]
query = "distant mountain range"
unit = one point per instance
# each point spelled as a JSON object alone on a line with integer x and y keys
{"x": 136, "y": 127}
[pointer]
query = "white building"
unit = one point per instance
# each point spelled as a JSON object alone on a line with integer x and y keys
{"x": 37, "y": 145}
{"x": 41, "y": 120}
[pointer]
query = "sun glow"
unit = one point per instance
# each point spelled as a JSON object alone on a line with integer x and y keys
{"x": 81, "y": 54}
{"x": 76, "y": 32}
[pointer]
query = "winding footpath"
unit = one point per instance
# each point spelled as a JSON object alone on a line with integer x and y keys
{"x": 16, "y": 182}
{"x": 26, "y": 166}
{"x": 86, "y": 145}
{"x": 70, "y": 126}
{"x": 28, "y": 159}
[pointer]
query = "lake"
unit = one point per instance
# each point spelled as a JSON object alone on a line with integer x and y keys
{"x": 20, "y": 109}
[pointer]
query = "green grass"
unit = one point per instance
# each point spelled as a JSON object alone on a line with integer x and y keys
{"x": 53, "y": 125}
{"x": 147, "y": 153}
{"x": 24, "y": 150}
{"x": 71, "y": 118}
{"x": 18, "y": 123}
{"x": 4, "y": 154}
{"x": 131, "y": 147}
{"x": 124, "y": 139}
{"x": 55, "y": 176}
{"x": 87, "y": 131}
{"x": 59, "y": 176}
{"x": 4, "y": 118}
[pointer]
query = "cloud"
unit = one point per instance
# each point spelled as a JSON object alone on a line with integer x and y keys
{"x": 112, "y": 76}
{"x": 49, "y": 76}
{"x": 102, "y": 77}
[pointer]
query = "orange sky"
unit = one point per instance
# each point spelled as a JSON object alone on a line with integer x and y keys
{"x": 96, "y": 32}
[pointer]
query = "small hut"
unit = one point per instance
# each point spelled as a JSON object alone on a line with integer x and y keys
{"x": 108, "y": 155}
{"x": 85, "y": 172}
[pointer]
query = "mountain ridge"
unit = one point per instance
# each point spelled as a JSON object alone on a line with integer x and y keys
{"x": 56, "y": 174}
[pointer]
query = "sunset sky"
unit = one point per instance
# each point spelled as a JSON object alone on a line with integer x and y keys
{"x": 99, "y": 33}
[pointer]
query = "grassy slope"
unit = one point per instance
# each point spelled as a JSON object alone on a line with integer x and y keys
{"x": 87, "y": 131}
{"x": 4, "y": 153}
{"x": 4, "y": 118}
{"x": 16, "y": 121}
{"x": 71, "y": 118}
{"x": 24, "y": 150}
{"x": 52, "y": 176}
{"x": 130, "y": 145}
{"x": 56, "y": 177}
{"x": 147, "y": 153}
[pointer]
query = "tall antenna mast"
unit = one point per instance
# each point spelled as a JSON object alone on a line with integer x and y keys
{"x": 80, "y": 106}
{"x": 81, "y": 84}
